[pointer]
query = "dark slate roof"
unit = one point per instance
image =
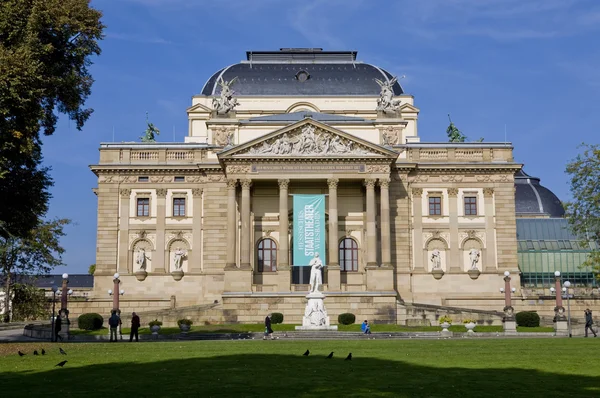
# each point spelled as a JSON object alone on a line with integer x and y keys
{"x": 76, "y": 281}
{"x": 297, "y": 116}
{"x": 533, "y": 198}
{"x": 331, "y": 73}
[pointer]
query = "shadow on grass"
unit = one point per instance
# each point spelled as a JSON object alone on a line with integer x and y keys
{"x": 273, "y": 375}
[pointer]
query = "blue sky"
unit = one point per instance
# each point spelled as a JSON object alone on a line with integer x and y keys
{"x": 532, "y": 66}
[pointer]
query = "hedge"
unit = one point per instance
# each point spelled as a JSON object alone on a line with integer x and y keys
{"x": 277, "y": 317}
{"x": 528, "y": 318}
{"x": 346, "y": 318}
{"x": 90, "y": 321}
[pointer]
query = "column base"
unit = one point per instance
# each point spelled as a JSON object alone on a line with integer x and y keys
{"x": 380, "y": 279}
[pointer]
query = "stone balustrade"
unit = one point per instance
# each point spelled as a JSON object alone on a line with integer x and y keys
{"x": 462, "y": 153}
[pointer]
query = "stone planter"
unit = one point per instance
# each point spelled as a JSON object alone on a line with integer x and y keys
{"x": 154, "y": 329}
{"x": 141, "y": 275}
{"x": 184, "y": 328}
{"x": 437, "y": 273}
{"x": 474, "y": 273}
{"x": 445, "y": 332}
{"x": 470, "y": 326}
{"x": 177, "y": 275}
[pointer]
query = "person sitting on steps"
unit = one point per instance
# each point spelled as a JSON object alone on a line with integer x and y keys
{"x": 366, "y": 329}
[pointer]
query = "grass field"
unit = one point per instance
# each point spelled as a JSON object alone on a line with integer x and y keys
{"x": 401, "y": 368}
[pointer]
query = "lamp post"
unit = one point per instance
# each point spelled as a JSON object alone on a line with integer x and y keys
{"x": 54, "y": 290}
{"x": 64, "y": 311}
{"x": 115, "y": 292}
{"x": 560, "y": 321}
{"x": 565, "y": 289}
{"x": 510, "y": 326}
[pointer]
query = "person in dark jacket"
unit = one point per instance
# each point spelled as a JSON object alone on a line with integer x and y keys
{"x": 113, "y": 322}
{"x": 135, "y": 325}
{"x": 268, "y": 330}
{"x": 57, "y": 322}
{"x": 589, "y": 322}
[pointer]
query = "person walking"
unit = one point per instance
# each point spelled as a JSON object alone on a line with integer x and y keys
{"x": 135, "y": 325}
{"x": 113, "y": 322}
{"x": 268, "y": 330}
{"x": 589, "y": 321}
{"x": 57, "y": 326}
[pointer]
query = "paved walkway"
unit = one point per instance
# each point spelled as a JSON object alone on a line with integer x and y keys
{"x": 13, "y": 335}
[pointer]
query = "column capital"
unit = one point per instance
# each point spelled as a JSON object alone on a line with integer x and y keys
{"x": 488, "y": 192}
{"x": 246, "y": 183}
{"x": 369, "y": 183}
{"x": 232, "y": 183}
{"x": 196, "y": 192}
{"x": 384, "y": 182}
{"x": 453, "y": 192}
{"x": 283, "y": 183}
{"x": 418, "y": 192}
{"x": 333, "y": 183}
{"x": 161, "y": 192}
{"x": 125, "y": 193}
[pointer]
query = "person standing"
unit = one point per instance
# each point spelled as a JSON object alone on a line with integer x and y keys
{"x": 113, "y": 322}
{"x": 268, "y": 330}
{"x": 589, "y": 321}
{"x": 57, "y": 323}
{"x": 135, "y": 325}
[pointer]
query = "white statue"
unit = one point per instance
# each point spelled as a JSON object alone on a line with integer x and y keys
{"x": 386, "y": 102}
{"x": 474, "y": 256}
{"x": 178, "y": 258}
{"x": 226, "y": 102}
{"x": 315, "y": 273}
{"x": 315, "y": 313}
{"x": 140, "y": 259}
{"x": 436, "y": 259}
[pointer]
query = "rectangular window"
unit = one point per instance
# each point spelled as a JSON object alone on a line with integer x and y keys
{"x": 470, "y": 205}
{"x": 178, "y": 207}
{"x": 179, "y": 179}
{"x": 435, "y": 205}
{"x": 143, "y": 179}
{"x": 143, "y": 207}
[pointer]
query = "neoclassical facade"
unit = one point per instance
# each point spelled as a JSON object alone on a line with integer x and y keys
{"x": 211, "y": 220}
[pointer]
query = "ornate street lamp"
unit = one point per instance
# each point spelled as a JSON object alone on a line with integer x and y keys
{"x": 565, "y": 290}
{"x": 508, "y": 320}
{"x": 54, "y": 290}
{"x": 64, "y": 311}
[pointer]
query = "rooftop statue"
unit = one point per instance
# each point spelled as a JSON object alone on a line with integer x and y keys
{"x": 151, "y": 131}
{"x": 225, "y": 103}
{"x": 386, "y": 102}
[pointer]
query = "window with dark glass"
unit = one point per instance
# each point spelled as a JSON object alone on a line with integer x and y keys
{"x": 178, "y": 207}
{"x": 348, "y": 255}
{"x": 143, "y": 207}
{"x": 179, "y": 179}
{"x": 435, "y": 206}
{"x": 143, "y": 179}
{"x": 267, "y": 255}
{"x": 470, "y": 205}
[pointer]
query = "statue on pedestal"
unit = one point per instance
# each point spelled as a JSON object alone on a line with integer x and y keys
{"x": 436, "y": 259}
{"x": 226, "y": 102}
{"x": 474, "y": 257}
{"x": 386, "y": 102}
{"x": 178, "y": 258}
{"x": 140, "y": 259}
{"x": 315, "y": 273}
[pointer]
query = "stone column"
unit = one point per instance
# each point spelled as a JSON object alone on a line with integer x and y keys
{"x": 284, "y": 276}
{"x": 158, "y": 260}
{"x": 386, "y": 243}
{"x": 230, "y": 261}
{"x": 246, "y": 224}
{"x": 417, "y": 194}
{"x": 490, "y": 238}
{"x": 333, "y": 267}
{"x": 123, "y": 265}
{"x": 371, "y": 230}
{"x": 195, "y": 262}
{"x": 453, "y": 262}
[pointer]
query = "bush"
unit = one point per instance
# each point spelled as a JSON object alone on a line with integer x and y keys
{"x": 346, "y": 318}
{"x": 528, "y": 318}
{"x": 91, "y": 321}
{"x": 185, "y": 322}
{"x": 445, "y": 318}
{"x": 277, "y": 317}
{"x": 155, "y": 322}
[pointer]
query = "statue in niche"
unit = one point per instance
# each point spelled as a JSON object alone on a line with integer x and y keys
{"x": 315, "y": 274}
{"x": 179, "y": 255}
{"x": 140, "y": 259}
{"x": 474, "y": 257}
{"x": 386, "y": 102}
{"x": 436, "y": 259}
{"x": 225, "y": 103}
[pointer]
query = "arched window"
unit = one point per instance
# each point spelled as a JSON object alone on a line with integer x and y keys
{"x": 348, "y": 255}
{"x": 267, "y": 255}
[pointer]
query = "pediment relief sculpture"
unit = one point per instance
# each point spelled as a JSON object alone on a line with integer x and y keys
{"x": 308, "y": 141}
{"x": 390, "y": 136}
{"x": 223, "y": 136}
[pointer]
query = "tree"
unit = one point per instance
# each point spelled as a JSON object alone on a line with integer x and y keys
{"x": 35, "y": 254}
{"x": 28, "y": 303}
{"x": 584, "y": 211}
{"x": 454, "y": 134}
{"x": 92, "y": 269}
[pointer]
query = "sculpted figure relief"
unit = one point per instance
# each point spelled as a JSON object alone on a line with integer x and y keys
{"x": 315, "y": 312}
{"x": 386, "y": 102}
{"x": 225, "y": 103}
{"x": 474, "y": 257}
{"x": 315, "y": 273}
{"x": 389, "y": 136}
{"x": 141, "y": 258}
{"x": 223, "y": 136}
{"x": 179, "y": 254}
{"x": 436, "y": 259}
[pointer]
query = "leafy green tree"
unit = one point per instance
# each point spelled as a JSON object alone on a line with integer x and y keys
{"x": 454, "y": 134}
{"x": 583, "y": 211}
{"x": 29, "y": 303}
{"x": 92, "y": 269}
{"x": 37, "y": 253}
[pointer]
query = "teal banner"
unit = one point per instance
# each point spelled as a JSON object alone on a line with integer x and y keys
{"x": 309, "y": 228}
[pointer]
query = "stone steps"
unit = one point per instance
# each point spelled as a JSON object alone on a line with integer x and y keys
{"x": 312, "y": 335}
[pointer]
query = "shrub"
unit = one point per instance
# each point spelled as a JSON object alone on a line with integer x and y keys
{"x": 188, "y": 322}
{"x": 445, "y": 318}
{"x": 528, "y": 318}
{"x": 277, "y": 317}
{"x": 346, "y": 318}
{"x": 155, "y": 322}
{"x": 469, "y": 320}
{"x": 91, "y": 321}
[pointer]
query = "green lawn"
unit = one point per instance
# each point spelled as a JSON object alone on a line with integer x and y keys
{"x": 463, "y": 368}
{"x": 242, "y": 328}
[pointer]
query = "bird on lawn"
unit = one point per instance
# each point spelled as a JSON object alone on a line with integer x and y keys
{"x": 349, "y": 357}
{"x": 306, "y": 353}
{"x": 62, "y": 351}
{"x": 43, "y": 352}
{"x": 61, "y": 364}
{"x": 35, "y": 352}
{"x": 330, "y": 355}
{"x": 21, "y": 354}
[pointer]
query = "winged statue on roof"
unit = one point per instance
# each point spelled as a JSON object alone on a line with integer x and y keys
{"x": 225, "y": 103}
{"x": 386, "y": 102}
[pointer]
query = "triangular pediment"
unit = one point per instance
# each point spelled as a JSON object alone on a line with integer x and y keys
{"x": 406, "y": 107}
{"x": 198, "y": 108}
{"x": 308, "y": 138}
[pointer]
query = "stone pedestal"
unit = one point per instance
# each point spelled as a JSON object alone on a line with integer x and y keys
{"x": 177, "y": 274}
{"x": 561, "y": 327}
{"x": 315, "y": 315}
{"x": 510, "y": 326}
{"x": 380, "y": 279}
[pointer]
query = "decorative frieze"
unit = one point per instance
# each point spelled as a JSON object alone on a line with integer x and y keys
{"x": 238, "y": 169}
{"x": 378, "y": 168}
{"x": 452, "y": 178}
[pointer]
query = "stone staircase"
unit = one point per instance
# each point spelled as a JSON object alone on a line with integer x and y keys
{"x": 310, "y": 335}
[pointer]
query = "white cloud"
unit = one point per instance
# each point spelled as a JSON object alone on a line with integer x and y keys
{"x": 137, "y": 38}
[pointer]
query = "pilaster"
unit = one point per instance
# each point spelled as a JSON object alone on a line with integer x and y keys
{"x": 284, "y": 275}
{"x": 454, "y": 260}
{"x": 490, "y": 258}
{"x": 158, "y": 260}
{"x": 230, "y": 261}
{"x": 333, "y": 268}
{"x": 196, "y": 260}
{"x": 123, "y": 264}
{"x": 246, "y": 224}
{"x": 386, "y": 254}
{"x": 371, "y": 229}
{"x": 417, "y": 194}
